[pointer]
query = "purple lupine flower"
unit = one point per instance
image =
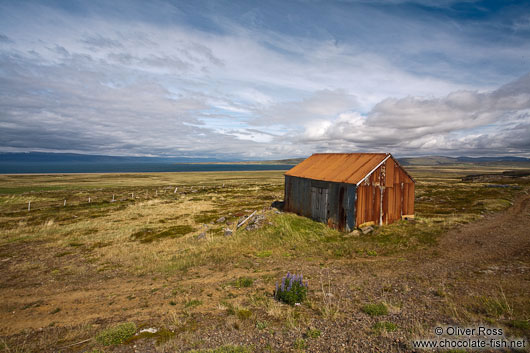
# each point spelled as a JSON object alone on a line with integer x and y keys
{"x": 283, "y": 284}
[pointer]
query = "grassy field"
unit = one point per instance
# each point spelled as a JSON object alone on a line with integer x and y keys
{"x": 96, "y": 251}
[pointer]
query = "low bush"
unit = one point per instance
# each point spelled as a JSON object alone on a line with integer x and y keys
{"x": 244, "y": 314}
{"x": 117, "y": 334}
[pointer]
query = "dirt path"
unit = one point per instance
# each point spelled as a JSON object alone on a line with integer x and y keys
{"x": 499, "y": 238}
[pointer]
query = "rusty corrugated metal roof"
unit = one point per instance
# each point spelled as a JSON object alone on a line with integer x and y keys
{"x": 338, "y": 167}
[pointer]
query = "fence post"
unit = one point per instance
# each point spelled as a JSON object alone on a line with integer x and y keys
{"x": 29, "y": 205}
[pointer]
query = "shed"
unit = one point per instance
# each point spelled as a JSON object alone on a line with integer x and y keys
{"x": 348, "y": 190}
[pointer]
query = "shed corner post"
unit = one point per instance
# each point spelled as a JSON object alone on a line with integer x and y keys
{"x": 284, "y": 188}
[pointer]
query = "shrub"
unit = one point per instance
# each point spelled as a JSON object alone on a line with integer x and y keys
{"x": 244, "y": 314}
{"x": 117, "y": 334}
{"x": 292, "y": 289}
{"x": 377, "y": 309}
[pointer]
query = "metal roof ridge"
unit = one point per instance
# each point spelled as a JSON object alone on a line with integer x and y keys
{"x": 320, "y": 153}
{"x": 388, "y": 155}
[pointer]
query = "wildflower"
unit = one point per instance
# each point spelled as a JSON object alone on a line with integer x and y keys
{"x": 292, "y": 289}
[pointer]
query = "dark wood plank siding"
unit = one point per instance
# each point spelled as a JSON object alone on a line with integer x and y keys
{"x": 306, "y": 197}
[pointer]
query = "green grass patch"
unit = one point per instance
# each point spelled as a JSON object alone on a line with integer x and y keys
{"x": 243, "y": 282}
{"x": 206, "y": 217}
{"x": 299, "y": 343}
{"x": 192, "y": 303}
{"x": 148, "y": 235}
{"x": 520, "y": 324}
{"x": 313, "y": 333}
{"x": 117, "y": 334}
{"x": 160, "y": 336}
{"x": 495, "y": 306}
{"x": 384, "y": 326}
{"x": 63, "y": 253}
{"x": 375, "y": 309}
{"x": 176, "y": 231}
{"x": 264, "y": 253}
{"x": 262, "y": 325}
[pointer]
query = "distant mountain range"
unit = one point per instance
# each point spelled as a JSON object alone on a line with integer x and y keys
{"x": 74, "y": 158}
{"x": 440, "y": 160}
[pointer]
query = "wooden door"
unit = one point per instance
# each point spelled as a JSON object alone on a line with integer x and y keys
{"x": 319, "y": 204}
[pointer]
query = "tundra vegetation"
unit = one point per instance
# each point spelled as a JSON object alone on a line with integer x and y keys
{"x": 156, "y": 261}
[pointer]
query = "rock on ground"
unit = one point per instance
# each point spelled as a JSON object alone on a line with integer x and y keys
{"x": 367, "y": 230}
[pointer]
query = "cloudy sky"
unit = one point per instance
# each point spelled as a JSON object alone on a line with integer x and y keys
{"x": 265, "y": 79}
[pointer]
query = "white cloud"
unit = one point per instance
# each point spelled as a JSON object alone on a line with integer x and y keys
{"x": 462, "y": 121}
{"x": 164, "y": 79}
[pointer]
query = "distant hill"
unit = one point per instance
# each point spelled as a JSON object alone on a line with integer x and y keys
{"x": 441, "y": 160}
{"x": 43, "y": 157}
{"x": 291, "y": 161}
{"x": 493, "y": 159}
{"x": 429, "y": 160}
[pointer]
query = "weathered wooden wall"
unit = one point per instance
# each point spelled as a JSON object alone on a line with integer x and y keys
{"x": 328, "y": 202}
{"x": 385, "y": 196}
